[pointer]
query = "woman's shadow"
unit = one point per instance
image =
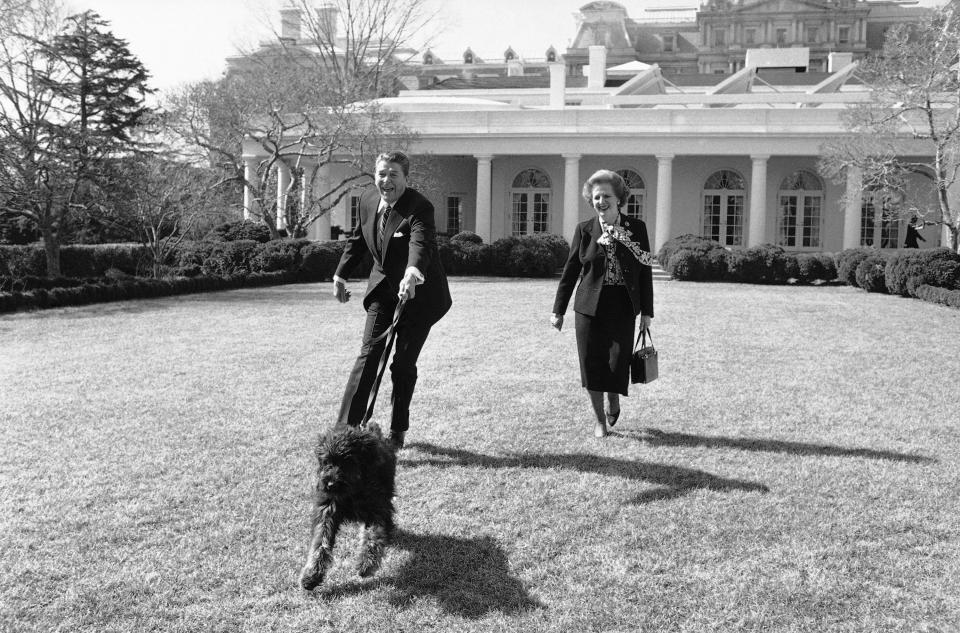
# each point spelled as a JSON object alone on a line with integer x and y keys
{"x": 672, "y": 481}
{"x": 469, "y": 577}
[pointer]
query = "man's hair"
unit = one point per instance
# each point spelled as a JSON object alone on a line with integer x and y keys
{"x": 607, "y": 177}
{"x": 397, "y": 157}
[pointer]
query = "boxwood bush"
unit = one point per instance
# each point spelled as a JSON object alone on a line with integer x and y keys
{"x": 239, "y": 230}
{"x": 934, "y": 294}
{"x": 847, "y": 261}
{"x": 688, "y": 242}
{"x": 908, "y": 270}
{"x": 282, "y": 254}
{"x": 870, "y": 273}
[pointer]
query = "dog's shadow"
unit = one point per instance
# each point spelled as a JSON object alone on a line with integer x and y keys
{"x": 469, "y": 577}
{"x": 672, "y": 481}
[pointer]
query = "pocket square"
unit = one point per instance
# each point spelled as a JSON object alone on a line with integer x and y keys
{"x": 398, "y": 234}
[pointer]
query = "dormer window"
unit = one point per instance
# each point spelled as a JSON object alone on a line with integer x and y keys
{"x": 509, "y": 54}
{"x": 468, "y": 56}
{"x": 428, "y": 59}
{"x": 551, "y": 54}
{"x": 669, "y": 43}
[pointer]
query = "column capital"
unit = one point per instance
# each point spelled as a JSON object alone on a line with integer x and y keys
{"x": 572, "y": 156}
{"x": 483, "y": 156}
{"x": 665, "y": 157}
{"x": 759, "y": 157}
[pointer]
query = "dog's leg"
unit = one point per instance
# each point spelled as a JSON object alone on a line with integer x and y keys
{"x": 374, "y": 540}
{"x": 325, "y": 527}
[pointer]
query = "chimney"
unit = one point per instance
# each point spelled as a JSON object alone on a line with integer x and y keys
{"x": 558, "y": 84}
{"x": 514, "y": 68}
{"x": 837, "y": 61}
{"x": 328, "y": 17}
{"x": 597, "y": 71}
{"x": 290, "y": 23}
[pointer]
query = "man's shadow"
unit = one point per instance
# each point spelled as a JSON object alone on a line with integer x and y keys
{"x": 469, "y": 577}
{"x": 657, "y": 437}
{"x": 673, "y": 481}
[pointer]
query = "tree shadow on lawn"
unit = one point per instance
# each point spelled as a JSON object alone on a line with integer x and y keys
{"x": 656, "y": 437}
{"x": 469, "y": 577}
{"x": 674, "y": 481}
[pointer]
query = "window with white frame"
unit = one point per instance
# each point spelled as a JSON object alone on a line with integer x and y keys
{"x": 634, "y": 206}
{"x": 879, "y": 221}
{"x": 723, "y": 198}
{"x": 454, "y": 213}
{"x": 530, "y": 203}
{"x": 800, "y": 206}
{"x": 354, "y": 212}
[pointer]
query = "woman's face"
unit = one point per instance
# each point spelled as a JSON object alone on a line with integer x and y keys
{"x": 605, "y": 202}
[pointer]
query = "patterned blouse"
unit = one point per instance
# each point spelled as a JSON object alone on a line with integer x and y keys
{"x": 614, "y": 273}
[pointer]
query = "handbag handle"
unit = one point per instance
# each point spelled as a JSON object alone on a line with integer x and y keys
{"x": 643, "y": 336}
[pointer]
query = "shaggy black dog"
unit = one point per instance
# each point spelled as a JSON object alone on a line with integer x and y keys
{"x": 355, "y": 482}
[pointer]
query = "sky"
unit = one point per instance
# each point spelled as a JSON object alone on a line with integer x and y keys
{"x": 182, "y": 41}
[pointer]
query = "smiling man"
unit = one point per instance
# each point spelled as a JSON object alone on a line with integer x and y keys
{"x": 397, "y": 228}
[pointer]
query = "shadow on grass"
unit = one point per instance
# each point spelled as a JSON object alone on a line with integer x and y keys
{"x": 657, "y": 437}
{"x": 468, "y": 577}
{"x": 674, "y": 481}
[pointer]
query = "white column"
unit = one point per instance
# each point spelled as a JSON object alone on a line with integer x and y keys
{"x": 283, "y": 183}
{"x": 321, "y": 228}
{"x": 484, "y": 196}
{"x": 758, "y": 201}
{"x": 571, "y": 194}
{"x": 251, "y": 210}
{"x": 853, "y": 199}
{"x": 664, "y": 200}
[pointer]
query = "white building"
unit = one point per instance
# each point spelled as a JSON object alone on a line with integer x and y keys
{"x": 732, "y": 157}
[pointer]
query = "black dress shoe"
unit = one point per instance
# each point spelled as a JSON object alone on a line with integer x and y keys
{"x": 396, "y": 440}
{"x": 612, "y": 418}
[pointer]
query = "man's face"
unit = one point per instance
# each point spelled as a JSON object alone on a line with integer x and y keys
{"x": 391, "y": 183}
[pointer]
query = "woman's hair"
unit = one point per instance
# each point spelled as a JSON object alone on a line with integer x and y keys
{"x": 607, "y": 177}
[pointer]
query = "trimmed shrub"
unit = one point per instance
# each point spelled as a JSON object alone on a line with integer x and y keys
{"x": 557, "y": 245}
{"x": 761, "y": 264}
{"x": 93, "y": 260}
{"x": 809, "y": 268}
{"x": 688, "y": 242}
{"x": 467, "y": 236}
{"x": 870, "y": 274}
{"x": 279, "y": 255}
{"x": 828, "y": 266}
{"x": 685, "y": 265}
{"x": 943, "y": 296}
{"x": 924, "y": 266}
{"x": 20, "y": 261}
{"x": 238, "y": 230}
{"x": 230, "y": 258}
{"x": 791, "y": 266}
{"x": 318, "y": 261}
{"x": 848, "y": 260}
{"x": 522, "y": 257}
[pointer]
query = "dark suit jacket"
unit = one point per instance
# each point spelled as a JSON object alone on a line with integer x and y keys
{"x": 409, "y": 239}
{"x": 588, "y": 261}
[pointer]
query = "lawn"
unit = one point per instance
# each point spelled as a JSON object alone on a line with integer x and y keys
{"x": 795, "y": 468}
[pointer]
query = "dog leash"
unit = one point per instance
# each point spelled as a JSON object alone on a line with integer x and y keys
{"x": 390, "y": 334}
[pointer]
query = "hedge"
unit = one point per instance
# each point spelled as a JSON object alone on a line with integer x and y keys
{"x": 140, "y": 288}
{"x": 847, "y": 261}
{"x": 870, "y": 274}
{"x": 908, "y": 270}
{"x": 76, "y": 260}
{"x": 944, "y": 296}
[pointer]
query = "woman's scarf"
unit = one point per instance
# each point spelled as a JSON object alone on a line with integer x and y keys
{"x": 617, "y": 232}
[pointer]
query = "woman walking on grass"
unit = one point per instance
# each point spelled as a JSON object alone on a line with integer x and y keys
{"x": 610, "y": 256}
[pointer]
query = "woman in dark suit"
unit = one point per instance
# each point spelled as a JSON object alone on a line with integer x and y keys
{"x": 610, "y": 256}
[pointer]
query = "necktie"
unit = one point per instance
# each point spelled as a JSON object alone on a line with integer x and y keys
{"x": 382, "y": 225}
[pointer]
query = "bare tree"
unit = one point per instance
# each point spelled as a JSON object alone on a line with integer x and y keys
{"x": 916, "y": 96}
{"x": 306, "y": 108}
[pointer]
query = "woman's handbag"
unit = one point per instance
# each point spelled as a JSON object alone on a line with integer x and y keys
{"x": 643, "y": 365}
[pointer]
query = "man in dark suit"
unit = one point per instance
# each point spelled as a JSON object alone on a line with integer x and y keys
{"x": 397, "y": 228}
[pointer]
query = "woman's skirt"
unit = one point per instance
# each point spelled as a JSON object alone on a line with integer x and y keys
{"x": 605, "y": 342}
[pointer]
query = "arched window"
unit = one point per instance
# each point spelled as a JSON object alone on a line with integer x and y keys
{"x": 468, "y": 56}
{"x": 723, "y": 197}
{"x": 800, "y": 211}
{"x": 880, "y": 219}
{"x": 634, "y": 206}
{"x": 551, "y": 54}
{"x": 530, "y": 203}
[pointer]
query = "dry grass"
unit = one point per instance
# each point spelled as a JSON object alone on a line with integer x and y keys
{"x": 794, "y": 469}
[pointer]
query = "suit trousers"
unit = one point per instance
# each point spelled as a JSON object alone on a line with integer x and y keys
{"x": 410, "y": 337}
